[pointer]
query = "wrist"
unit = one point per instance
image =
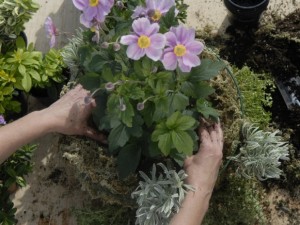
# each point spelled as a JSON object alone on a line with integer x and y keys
{"x": 47, "y": 123}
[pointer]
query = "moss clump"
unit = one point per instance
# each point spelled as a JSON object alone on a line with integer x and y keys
{"x": 236, "y": 202}
{"x": 97, "y": 172}
{"x": 256, "y": 96}
{"x": 104, "y": 214}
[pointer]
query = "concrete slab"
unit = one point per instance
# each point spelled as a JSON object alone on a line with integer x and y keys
{"x": 64, "y": 15}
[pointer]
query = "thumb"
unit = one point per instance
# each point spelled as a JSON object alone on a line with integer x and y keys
{"x": 92, "y": 133}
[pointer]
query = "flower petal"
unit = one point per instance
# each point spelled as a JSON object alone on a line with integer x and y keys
{"x": 140, "y": 25}
{"x": 154, "y": 53}
{"x": 194, "y": 47}
{"x": 153, "y": 29}
{"x": 135, "y": 52}
{"x": 191, "y": 60}
{"x": 183, "y": 34}
{"x": 165, "y": 6}
{"x": 129, "y": 39}
{"x": 49, "y": 27}
{"x": 170, "y": 61}
{"x": 138, "y": 12}
{"x": 80, "y": 4}
{"x": 158, "y": 41}
{"x": 90, "y": 13}
{"x": 184, "y": 68}
{"x": 52, "y": 41}
{"x": 84, "y": 21}
{"x": 171, "y": 39}
{"x": 150, "y": 4}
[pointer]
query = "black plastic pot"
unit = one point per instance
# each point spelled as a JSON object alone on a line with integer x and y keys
{"x": 245, "y": 12}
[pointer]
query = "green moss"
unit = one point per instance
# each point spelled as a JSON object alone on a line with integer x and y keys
{"x": 256, "y": 96}
{"x": 236, "y": 201}
{"x": 105, "y": 214}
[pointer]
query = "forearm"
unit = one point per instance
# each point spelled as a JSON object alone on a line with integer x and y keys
{"x": 193, "y": 208}
{"x": 23, "y": 131}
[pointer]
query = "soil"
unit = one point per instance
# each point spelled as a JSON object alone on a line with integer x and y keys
{"x": 275, "y": 48}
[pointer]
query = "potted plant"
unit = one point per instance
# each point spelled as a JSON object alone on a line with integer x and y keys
{"x": 152, "y": 80}
{"x": 13, "y": 16}
{"x": 245, "y": 11}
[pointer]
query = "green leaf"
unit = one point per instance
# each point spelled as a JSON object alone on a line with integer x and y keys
{"x": 148, "y": 113}
{"x": 147, "y": 65}
{"x": 20, "y": 43}
{"x": 171, "y": 122}
{"x": 185, "y": 123}
{"x": 29, "y": 61}
{"x": 177, "y": 101}
{"x": 128, "y": 160}
{"x": 169, "y": 20}
{"x": 207, "y": 70}
{"x": 205, "y": 108}
{"x": 136, "y": 130}
{"x": 159, "y": 130}
{"x": 127, "y": 115}
{"x": 118, "y": 137}
{"x": 35, "y": 75}
{"x": 197, "y": 89}
{"x": 26, "y": 82}
{"x": 137, "y": 66}
{"x": 113, "y": 104}
{"x": 107, "y": 74}
{"x": 97, "y": 63}
{"x": 84, "y": 53}
{"x": 90, "y": 81}
{"x": 165, "y": 143}
{"x": 161, "y": 108}
{"x": 182, "y": 142}
{"x": 99, "y": 111}
{"x": 22, "y": 70}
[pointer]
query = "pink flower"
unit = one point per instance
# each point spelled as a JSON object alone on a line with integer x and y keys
{"x": 154, "y": 9}
{"x": 145, "y": 41}
{"x": 93, "y": 10}
{"x": 51, "y": 31}
{"x": 2, "y": 120}
{"x": 182, "y": 49}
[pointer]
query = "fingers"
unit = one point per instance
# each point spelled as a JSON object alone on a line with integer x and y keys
{"x": 210, "y": 132}
{"x": 203, "y": 132}
{"x": 92, "y": 133}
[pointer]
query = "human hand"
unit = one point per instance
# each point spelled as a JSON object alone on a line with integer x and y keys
{"x": 203, "y": 167}
{"x": 70, "y": 113}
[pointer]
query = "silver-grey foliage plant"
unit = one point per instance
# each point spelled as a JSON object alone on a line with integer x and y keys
{"x": 70, "y": 53}
{"x": 260, "y": 153}
{"x": 160, "y": 197}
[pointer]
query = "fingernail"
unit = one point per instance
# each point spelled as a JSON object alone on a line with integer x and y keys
{"x": 87, "y": 100}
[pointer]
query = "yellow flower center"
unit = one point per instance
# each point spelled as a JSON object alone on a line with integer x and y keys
{"x": 94, "y": 3}
{"x": 180, "y": 50}
{"x": 156, "y": 16}
{"x": 144, "y": 41}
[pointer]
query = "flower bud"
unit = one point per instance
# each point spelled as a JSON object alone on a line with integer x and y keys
{"x": 116, "y": 46}
{"x": 122, "y": 107}
{"x": 87, "y": 100}
{"x": 140, "y": 106}
{"x": 104, "y": 44}
{"x": 2, "y": 120}
{"x": 120, "y": 4}
{"x": 154, "y": 69}
{"x": 110, "y": 86}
